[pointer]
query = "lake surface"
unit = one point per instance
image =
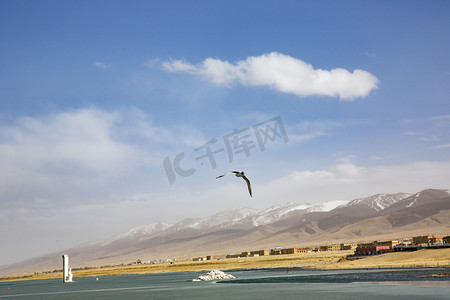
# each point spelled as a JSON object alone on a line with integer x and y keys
{"x": 249, "y": 284}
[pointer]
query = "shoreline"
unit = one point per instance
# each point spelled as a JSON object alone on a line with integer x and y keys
{"x": 316, "y": 260}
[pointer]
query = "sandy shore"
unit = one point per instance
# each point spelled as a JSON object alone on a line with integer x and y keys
{"x": 319, "y": 260}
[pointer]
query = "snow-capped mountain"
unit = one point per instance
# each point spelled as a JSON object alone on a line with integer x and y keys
{"x": 276, "y": 212}
{"x": 418, "y": 199}
{"x": 224, "y": 219}
{"x": 219, "y": 220}
{"x": 246, "y": 218}
{"x": 241, "y": 218}
{"x": 326, "y": 206}
{"x": 141, "y": 232}
{"x": 243, "y": 229}
{"x": 374, "y": 204}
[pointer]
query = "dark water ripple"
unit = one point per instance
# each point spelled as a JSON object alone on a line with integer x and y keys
{"x": 286, "y": 283}
{"x": 353, "y": 276}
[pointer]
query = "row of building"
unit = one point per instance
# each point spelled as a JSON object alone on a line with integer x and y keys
{"x": 372, "y": 248}
{"x": 381, "y": 247}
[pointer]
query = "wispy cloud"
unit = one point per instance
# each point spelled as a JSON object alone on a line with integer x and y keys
{"x": 441, "y": 121}
{"x": 414, "y": 133}
{"x": 342, "y": 181}
{"x": 421, "y": 136}
{"x": 369, "y": 54}
{"x": 346, "y": 181}
{"x": 441, "y": 117}
{"x": 81, "y": 154}
{"x": 443, "y": 146}
{"x": 308, "y": 130}
{"x": 152, "y": 62}
{"x": 283, "y": 73}
{"x": 347, "y": 159}
{"x": 102, "y": 65}
{"x": 59, "y": 153}
{"x": 433, "y": 130}
{"x": 431, "y": 138}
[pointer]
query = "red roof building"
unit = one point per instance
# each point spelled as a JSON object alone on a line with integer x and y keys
{"x": 372, "y": 250}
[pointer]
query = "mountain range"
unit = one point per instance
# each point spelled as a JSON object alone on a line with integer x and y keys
{"x": 380, "y": 216}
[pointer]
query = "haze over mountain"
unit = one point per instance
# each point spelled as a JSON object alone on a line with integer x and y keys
{"x": 379, "y": 216}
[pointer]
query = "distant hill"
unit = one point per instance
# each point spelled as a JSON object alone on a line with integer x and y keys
{"x": 379, "y": 216}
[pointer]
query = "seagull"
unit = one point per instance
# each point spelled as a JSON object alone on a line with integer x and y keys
{"x": 239, "y": 174}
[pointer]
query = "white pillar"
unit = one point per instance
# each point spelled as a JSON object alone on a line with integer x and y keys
{"x": 65, "y": 268}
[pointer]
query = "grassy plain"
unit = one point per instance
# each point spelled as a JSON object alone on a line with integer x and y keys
{"x": 315, "y": 260}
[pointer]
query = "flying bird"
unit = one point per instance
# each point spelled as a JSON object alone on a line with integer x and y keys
{"x": 239, "y": 174}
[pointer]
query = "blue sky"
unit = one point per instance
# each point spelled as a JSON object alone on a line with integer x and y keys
{"x": 95, "y": 95}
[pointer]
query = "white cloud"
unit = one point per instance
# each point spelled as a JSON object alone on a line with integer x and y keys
{"x": 340, "y": 182}
{"x": 347, "y": 181}
{"x": 443, "y": 146}
{"x": 348, "y": 170}
{"x": 102, "y": 65}
{"x": 431, "y": 138}
{"x": 442, "y": 121}
{"x": 369, "y": 54}
{"x": 343, "y": 181}
{"x": 62, "y": 154}
{"x": 282, "y": 73}
{"x": 347, "y": 159}
{"x": 430, "y": 129}
{"x": 83, "y": 155}
{"x": 176, "y": 134}
{"x": 32, "y": 231}
{"x": 414, "y": 133}
{"x": 152, "y": 62}
{"x": 441, "y": 117}
{"x": 83, "y": 137}
{"x": 308, "y": 130}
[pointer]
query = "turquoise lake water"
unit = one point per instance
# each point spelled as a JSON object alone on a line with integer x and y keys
{"x": 249, "y": 284}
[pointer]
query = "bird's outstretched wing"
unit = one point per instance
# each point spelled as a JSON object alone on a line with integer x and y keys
{"x": 226, "y": 174}
{"x": 239, "y": 174}
{"x": 248, "y": 185}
